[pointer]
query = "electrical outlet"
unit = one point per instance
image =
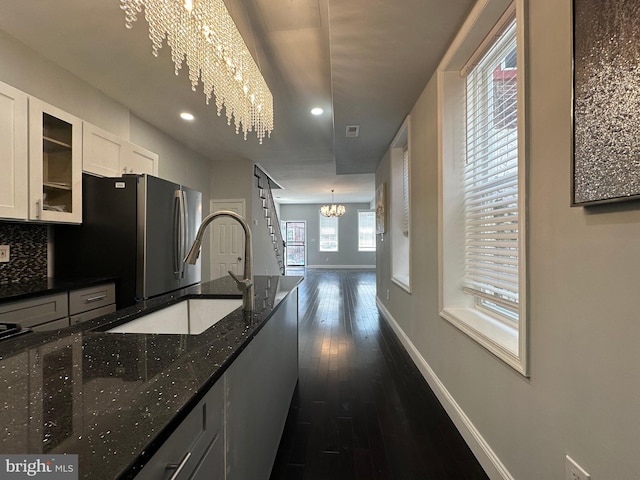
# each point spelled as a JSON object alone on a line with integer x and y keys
{"x": 573, "y": 471}
{"x": 388, "y": 294}
{"x": 5, "y": 253}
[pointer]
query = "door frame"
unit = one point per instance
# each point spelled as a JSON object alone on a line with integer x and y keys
{"x": 304, "y": 243}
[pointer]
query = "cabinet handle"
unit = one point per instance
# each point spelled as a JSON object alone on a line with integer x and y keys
{"x": 178, "y": 467}
{"x": 96, "y": 299}
{"x": 38, "y": 208}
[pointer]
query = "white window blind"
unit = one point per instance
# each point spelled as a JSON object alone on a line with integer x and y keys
{"x": 405, "y": 192}
{"x": 367, "y": 231}
{"x": 328, "y": 234}
{"x": 491, "y": 177}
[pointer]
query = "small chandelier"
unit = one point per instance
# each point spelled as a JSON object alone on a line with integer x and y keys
{"x": 332, "y": 210}
{"x": 203, "y": 33}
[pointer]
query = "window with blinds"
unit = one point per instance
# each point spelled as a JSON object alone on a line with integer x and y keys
{"x": 367, "y": 231}
{"x": 328, "y": 234}
{"x": 405, "y": 191}
{"x": 491, "y": 177}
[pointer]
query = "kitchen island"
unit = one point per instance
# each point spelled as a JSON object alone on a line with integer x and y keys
{"x": 116, "y": 399}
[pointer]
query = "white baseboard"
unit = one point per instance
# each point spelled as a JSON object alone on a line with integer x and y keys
{"x": 363, "y": 267}
{"x": 489, "y": 461}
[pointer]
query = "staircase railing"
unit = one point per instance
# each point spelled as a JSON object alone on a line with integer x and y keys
{"x": 270, "y": 214}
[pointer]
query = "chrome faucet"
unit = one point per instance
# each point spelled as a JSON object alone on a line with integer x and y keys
{"x": 245, "y": 285}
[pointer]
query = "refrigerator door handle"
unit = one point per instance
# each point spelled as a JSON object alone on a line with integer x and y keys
{"x": 177, "y": 234}
{"x": 184, "y": 216}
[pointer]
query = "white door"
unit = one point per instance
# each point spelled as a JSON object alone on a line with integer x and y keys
{"x": 227, "y": 239}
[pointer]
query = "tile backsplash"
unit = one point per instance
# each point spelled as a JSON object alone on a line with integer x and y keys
{"x": 28, "y": 252}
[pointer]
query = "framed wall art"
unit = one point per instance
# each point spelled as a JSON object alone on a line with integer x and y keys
{"x": 606, "y": 103}
{"x": 381, "y": 202}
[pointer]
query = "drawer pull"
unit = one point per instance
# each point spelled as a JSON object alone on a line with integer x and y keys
{"x": 178, "y": 467}
{"x": 96, "y": 299}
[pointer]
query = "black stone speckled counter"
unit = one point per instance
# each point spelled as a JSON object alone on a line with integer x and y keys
{"x": 114, "y": 398}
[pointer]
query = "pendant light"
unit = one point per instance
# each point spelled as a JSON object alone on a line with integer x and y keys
{"x": 332, "y": 210}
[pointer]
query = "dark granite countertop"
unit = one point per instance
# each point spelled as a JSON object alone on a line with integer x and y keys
{"x": 114, "y": 398}
{"x": 12, "y": 292}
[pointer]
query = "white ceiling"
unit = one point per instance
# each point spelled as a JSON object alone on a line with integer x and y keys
{"x": 364, "y": 61}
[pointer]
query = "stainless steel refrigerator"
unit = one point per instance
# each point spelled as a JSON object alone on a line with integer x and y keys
{"x": 135, "y": 228}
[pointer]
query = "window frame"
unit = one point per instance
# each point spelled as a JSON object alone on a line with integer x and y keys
{"x": 400, "y": 207}
{"x": 337, "y": 234}
{"x": 494, "y": 330}
{"x": 372, "y": 213}
{"x": 288, "y": 243}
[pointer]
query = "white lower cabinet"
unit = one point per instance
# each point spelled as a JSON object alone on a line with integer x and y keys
{"x": 235, "y": 431}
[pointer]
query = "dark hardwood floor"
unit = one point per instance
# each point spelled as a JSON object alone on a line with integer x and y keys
{"x": 362, "y": 410}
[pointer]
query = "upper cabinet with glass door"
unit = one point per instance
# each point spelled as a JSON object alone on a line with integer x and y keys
{"x": 55, "y": 164}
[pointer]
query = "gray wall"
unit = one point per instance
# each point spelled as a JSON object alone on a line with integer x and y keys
{"x": 347, "y": 255}
{"x": 233, "y": 178}
{"x": 583, "y": 396}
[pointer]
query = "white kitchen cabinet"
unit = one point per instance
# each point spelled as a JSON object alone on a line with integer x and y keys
{"x": 55, "y": 164}
{"x": 108, "y": 155}
{"x": 140, "y": 160}
{"x": 102, "y": 152}
{"x": 14, "y": 174}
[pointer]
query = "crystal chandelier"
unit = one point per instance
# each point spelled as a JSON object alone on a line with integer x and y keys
{"x": 332, "y": 210}
{"x": 203, "y": 33}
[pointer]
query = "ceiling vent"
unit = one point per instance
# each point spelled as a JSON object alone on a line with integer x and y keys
{"x": 353, "y": 131}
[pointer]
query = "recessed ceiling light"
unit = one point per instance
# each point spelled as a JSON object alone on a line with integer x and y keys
{"x": 186, "y": 116}
{"x": 317, "y": 111}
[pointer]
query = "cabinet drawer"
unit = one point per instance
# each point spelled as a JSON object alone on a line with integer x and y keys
{"x": 91, "y": 298}
{"x": 35, "y": 311}
{"x": 197, "y": 440}
{"x": 91, "y": 314}
{"x": 55, "y": 325}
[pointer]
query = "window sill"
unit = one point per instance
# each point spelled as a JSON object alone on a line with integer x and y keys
{"x": 402, "y": 281}
{"x": 494, "y": 335}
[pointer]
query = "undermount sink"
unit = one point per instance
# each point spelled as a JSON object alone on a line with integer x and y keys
{"x": 189, "y": 317}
